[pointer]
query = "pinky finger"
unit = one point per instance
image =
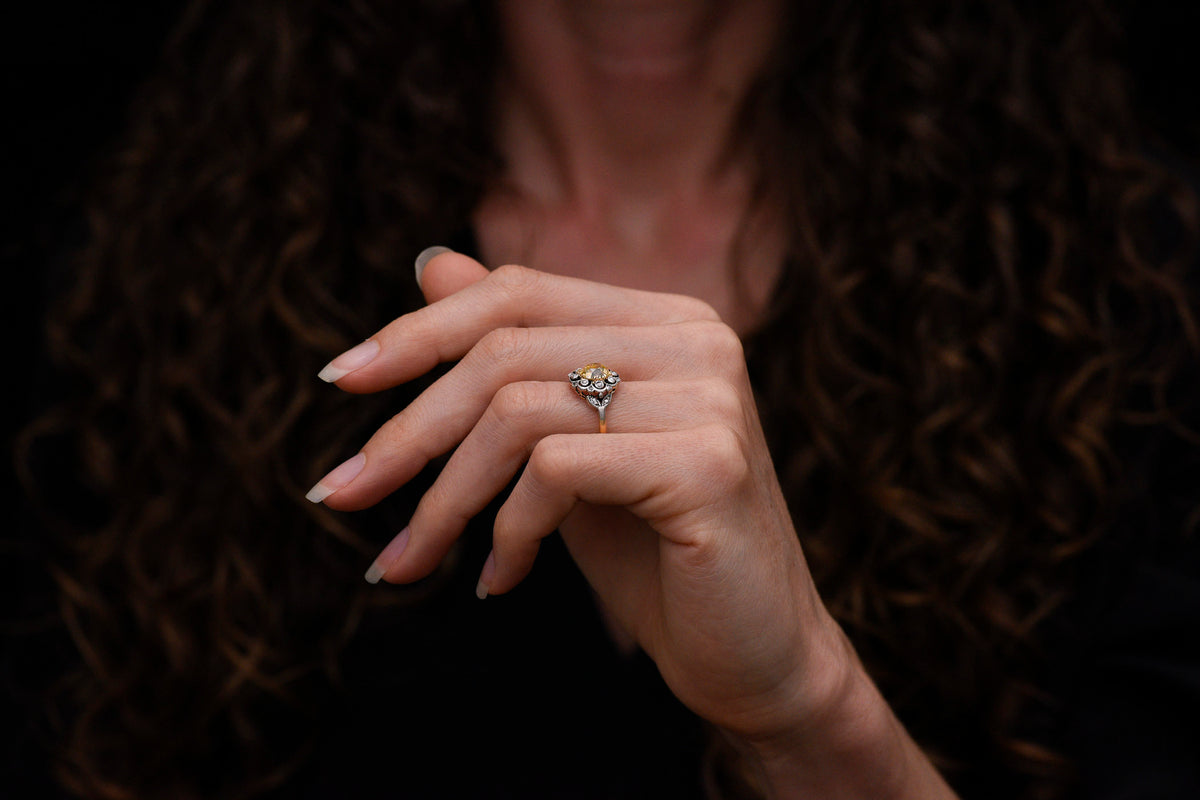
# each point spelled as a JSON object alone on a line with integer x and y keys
{"x": 627, "y": 470}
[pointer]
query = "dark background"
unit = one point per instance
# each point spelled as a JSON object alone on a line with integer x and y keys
{"x": 69, "y": 71}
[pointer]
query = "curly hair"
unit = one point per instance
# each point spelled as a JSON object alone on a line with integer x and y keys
{"x": 985, "y": 281}
{"x": 993, "y": 279}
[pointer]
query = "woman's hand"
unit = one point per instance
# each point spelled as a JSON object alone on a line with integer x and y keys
{"x": 674, "y": 516}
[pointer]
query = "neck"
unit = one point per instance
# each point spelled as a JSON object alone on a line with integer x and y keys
{"x": 619, "y": 124}
{"x": 626, "y": 101}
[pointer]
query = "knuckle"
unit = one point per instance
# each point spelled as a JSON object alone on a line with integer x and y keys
{"x": 438, "y": 513}
{"x": 693, "y": 308}
{"x": 393, "y": 429}
{"x": 725, "y": 462}
{"x": 550, "y": 461}
{"x": 501, "y": 345}
{"x": 513, "y": 279}
{"x": 396, "y": 432}
{"x": 394, "y": 443}
{"x": 721, "y": 342}
{"x": 515, "y": 404}
{"x": 723, "y": 401}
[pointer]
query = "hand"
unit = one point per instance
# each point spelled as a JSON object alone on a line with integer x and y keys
{"x": 675, "y": 516}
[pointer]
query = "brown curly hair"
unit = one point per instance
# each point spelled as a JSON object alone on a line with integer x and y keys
{"x": 985, "y": 282}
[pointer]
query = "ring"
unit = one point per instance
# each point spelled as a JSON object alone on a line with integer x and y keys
{"x": 596, "y": 384}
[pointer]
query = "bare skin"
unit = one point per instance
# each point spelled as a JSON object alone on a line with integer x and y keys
{"x": 625, "y": 180}
{"x": 617, "y": 122}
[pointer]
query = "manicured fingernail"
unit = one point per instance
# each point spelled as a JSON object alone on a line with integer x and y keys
{"x": 354, "y": 358}
{"x": 388, "y": 557}
{"x": 486, "y": 577}
{"x": 339, "y": 477}
{"x": 425, "y": 256}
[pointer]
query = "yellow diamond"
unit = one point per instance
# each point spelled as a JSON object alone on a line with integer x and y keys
{"x": 594, "y": 372}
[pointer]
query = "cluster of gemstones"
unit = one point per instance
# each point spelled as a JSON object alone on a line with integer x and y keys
{"x": 594, "y": 383}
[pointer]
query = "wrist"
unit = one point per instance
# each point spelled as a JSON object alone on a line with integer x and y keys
{"x": 842, "y": 741}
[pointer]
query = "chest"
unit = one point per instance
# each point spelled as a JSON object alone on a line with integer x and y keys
{"x": 717, "y": 255}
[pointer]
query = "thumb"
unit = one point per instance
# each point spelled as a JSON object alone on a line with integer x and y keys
{"x": 441, "y": 272}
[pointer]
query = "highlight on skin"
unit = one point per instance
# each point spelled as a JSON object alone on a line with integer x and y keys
{"x": 965, "y": 325}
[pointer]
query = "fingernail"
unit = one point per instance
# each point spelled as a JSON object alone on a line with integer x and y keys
{"x": 486, "y": 577}
{"x": 336, "y": 479}
{"x": 388, "y": 557}
{"x": 425, "y": 256}
{"x": 354, "y": 358}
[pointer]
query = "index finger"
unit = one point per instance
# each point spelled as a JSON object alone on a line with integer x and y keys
{"x": 510, "y": 296}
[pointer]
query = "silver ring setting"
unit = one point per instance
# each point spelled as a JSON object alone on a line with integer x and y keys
{"x": 595, "y": 383}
